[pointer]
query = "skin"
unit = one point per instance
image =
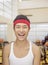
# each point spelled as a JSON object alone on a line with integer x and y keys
{"x": 21, "y": 43}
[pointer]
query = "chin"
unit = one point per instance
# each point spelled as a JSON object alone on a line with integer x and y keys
{"x": 21, "y": 39}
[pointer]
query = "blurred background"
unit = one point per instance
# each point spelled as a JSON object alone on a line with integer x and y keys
{"x": 37, "y": 12}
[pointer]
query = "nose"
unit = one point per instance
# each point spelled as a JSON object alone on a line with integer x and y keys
{"x": 21, "y": 29}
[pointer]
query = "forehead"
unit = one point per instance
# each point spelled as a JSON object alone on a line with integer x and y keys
{"x": 21, "y": 24}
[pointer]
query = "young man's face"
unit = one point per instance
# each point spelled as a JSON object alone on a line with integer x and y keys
{"x": 21, "y": 31}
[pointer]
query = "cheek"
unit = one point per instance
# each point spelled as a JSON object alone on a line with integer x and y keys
{"x": 17, "y": 30}
{"x": 26, "y": 31}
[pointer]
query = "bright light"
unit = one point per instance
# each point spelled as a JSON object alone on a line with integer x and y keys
{"x": 20, "y": 0}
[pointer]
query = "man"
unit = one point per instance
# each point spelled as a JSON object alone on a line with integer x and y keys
{"x": 22, "y": 51}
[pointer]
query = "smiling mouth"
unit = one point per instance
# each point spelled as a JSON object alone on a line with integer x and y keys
{"x": 21, "y": 34}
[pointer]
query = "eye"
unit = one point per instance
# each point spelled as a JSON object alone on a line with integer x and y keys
{"x": 25, "y": 26}
{"x": 17, "y": 26}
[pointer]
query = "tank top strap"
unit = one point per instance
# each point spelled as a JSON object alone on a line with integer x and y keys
{"x": 30, "y": 46}
{"x": 12, "y": 47}
{"x": 31, "y": 49}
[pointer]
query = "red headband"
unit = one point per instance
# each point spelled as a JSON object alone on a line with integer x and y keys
{"x": 22, "y": 21}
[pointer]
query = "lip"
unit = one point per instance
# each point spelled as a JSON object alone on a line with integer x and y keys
{"x": 21, "y": 34}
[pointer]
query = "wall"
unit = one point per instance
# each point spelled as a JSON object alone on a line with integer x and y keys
{"x": 32, "y": 4}
{"x": 10, "y": 33}
{"x": 9, "y": 22}
{"x": 36, "y": 15}
{"x": 39, "y": 20}
{"x": 38, "y": 31}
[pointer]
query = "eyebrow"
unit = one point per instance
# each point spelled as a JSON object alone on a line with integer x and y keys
{"x": 19, "y": 25}
{"x": 24, "y": 25}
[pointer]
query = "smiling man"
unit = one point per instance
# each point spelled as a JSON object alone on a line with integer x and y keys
{"x": 21, "y": 51}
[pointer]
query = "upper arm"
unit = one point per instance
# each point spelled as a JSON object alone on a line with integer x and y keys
{"x": 6, "y": 55}
{"x": 37, "y": 55}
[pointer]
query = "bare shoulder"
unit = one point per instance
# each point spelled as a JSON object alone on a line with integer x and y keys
{"x": 36, "y": 49}
{"x": 36, "y": 54}
{"x": 6, "y": 49}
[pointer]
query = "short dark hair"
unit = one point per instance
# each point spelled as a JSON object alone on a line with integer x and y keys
{"x": 18, "y": 17}
{"x": 46, "y": 38}
{"x": 21, "y": 17}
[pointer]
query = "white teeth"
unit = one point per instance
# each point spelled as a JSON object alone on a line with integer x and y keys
{"x": 21, "y": 35}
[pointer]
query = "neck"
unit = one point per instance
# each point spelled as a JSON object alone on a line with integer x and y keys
{"x": 21, "y": 43}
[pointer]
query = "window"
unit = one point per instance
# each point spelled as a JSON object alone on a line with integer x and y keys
{"x": 5, "y": 8}
{"x": 38, "y": 31}
{"x": 24, "y": 0}
{"x": 3, "y": 31}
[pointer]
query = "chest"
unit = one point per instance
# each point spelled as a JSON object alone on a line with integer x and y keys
{"x": 21, "y": 52}
{"x": 21, "y": 56}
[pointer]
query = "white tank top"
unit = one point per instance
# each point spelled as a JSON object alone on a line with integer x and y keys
{"x": 27, "y": 60}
